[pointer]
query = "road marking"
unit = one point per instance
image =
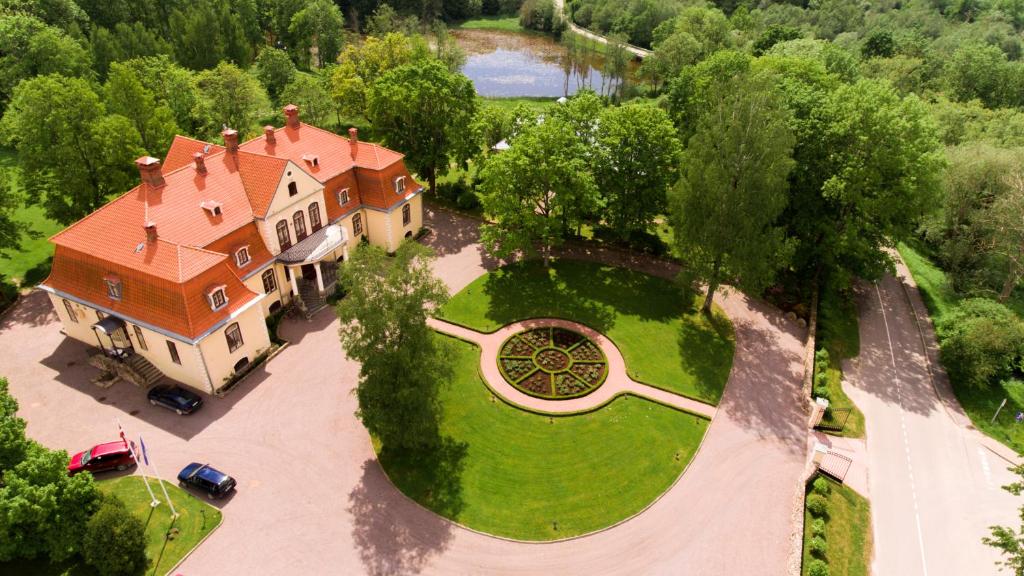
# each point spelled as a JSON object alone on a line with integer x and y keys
{"x": 985, "y": 469}
{"x": 903, "y": 425}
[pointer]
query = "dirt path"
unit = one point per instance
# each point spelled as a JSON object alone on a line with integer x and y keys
{"x": 560, "y": 9}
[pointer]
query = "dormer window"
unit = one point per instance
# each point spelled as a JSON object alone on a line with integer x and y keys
{"x": 217, "y": 298}
{"x": 311, "y": 159}
{"x": 343, "y": 196}
{"x": 113, "y": 287}
{"x": 212, "y": 206}
{"x": 242, "y": 256}
{"x": 400, "y": 185}
{"x": 293, "y": 188}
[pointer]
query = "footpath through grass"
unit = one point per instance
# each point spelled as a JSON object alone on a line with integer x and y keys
{"x": 196, "y": 519}
{"x": 521, "y": 475}
{"x": 663, "y": 337}
{"x": 847, "y": 533}
{"x": 839, "y": 334}
{"x": 980, "y": 404}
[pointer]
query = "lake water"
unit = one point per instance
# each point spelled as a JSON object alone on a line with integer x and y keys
{"x": 509, "y": 64}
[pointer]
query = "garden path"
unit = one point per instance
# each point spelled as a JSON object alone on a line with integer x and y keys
{"x": 617, "y": 383}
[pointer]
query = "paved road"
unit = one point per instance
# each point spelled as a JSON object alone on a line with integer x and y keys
{"x": 934, "y": 487}
{"x": 635, "y": 50}
{"x": 313, "y": 500}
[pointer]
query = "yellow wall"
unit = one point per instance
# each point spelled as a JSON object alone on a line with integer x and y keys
{"x": 283, "y": 206}
{"x": 282, "y": 294}
{"x": 219, "y": 361}
{"x": 387, "y": 230}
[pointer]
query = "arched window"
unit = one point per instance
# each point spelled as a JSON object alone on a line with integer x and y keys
{"x": 299, "y": 221}
{"x": 283, "y": 237}
{"x": 293, "y": 188}
{"x": 314, "y": 216}
{"x": 234, "y": 337}
{"x": 406, "y": 215}
{"x": 269, "y": 281}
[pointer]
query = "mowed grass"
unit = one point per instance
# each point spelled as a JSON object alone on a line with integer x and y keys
{"x": 28, "y": 264}
{"x": 980, "y": 404}
{"x": 506, "y": 23}
{"x": 839, "y": 333}
{"x": 196, "y": 519}
{"x": 534, "y": 477}
{"x": 847, "y": 532}
{"x": 663, "y": 337}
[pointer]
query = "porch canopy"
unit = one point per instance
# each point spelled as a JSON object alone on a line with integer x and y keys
{"x": 316, "y": 246}
{"x": 109, "y": 325}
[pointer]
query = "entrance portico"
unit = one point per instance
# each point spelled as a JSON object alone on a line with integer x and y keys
{"x": 307, "y": 257}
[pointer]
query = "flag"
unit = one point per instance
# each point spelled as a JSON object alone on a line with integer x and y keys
{"x": 145, "y": 458}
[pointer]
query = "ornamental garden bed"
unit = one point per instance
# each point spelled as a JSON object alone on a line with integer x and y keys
{"x": 552, "y": 363}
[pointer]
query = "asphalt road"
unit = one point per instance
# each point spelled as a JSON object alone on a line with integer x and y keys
{"x": 934, "y": 487}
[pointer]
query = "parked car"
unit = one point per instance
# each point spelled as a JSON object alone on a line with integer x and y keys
{"x": 175, "y": 398}
{"x": 204, "y": 477}
{"x": 101, "y": 457}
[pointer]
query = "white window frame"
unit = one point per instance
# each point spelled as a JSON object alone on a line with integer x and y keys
{"x": 243, "y": 251}
{"x": 343, "y": 197}
{"x": 227, "y": 338}
{"x": 272, "y": 276}
{"x": 400, "y": 185}
{"x": 357, "y": 225}
{"x": 211, "y": 297}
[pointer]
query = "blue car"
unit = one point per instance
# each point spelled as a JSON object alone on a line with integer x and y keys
{"x": 174, "y": 398}
{"x": 205, "y": 478}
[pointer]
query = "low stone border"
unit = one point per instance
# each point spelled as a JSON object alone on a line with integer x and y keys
{"x": 198, "y": 544}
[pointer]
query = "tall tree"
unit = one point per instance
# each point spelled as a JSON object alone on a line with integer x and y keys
{"x": 1006, "y": 219}
{"x": 733, "y": 188}
{"x": 318, "y": 25}
{"x": 426, "y": 111}
{"x": 637, "y": 160}
{"x": 384, "y": 328}
{"x": 172, "y": 86}
{"x": 125, "y": 95}
{"x": 230, "y": 96}
{"x": 13, "y": 444}
{"x": 29, "y": 48}
{"x": 536, "y": 190}
{"x": 1008, "y": 540}
{"x": 307, "y": 91}
{"x": 73, "y": 156}
{"x": 275, "y": 70}
{"x": 360, "y": 65}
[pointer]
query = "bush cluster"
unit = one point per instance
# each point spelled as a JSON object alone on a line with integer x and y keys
{"x": 981, "y": 342}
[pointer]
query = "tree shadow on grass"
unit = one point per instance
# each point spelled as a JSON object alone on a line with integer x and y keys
{"x": 706, "y": 349}
{"x": 393, "y": 535}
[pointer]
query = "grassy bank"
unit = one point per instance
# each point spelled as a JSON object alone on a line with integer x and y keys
{"x": 664, "y": 339}
{"x": 847, "y": 533}
{"x": 517, "y": 474}
{"x": 980, "y": 404}
{"x": 839, "y": 334}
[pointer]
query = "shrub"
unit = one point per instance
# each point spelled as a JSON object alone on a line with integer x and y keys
{"x": 115, "y": 540}
{"x": 818, "y": 546}
{"x": 821, "y": 391}
{"x": 821, "y": 486}
{"x": 817, "y": 505}
{"x": 980, "y": 342}
{"x": 817, "y": 568}
{"x": 821, "y": 358}
{"x": 818, "y": 527}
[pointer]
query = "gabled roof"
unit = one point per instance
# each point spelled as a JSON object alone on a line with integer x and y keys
{"x": 182, "y": 149}
{"x": 333, "y": 152}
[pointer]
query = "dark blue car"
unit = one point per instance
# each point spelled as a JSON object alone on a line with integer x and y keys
{"x": 213, "y": 482}
{"x": 175, "y": 398}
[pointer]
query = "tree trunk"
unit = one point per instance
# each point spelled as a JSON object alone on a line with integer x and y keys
{"x": 1009, "y": 284}
{"x": 712, "y": 287}
{"x": 432, "y": 180}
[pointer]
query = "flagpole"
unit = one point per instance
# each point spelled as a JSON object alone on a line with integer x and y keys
{"x": 153, "y": 503}
{"x": 145, "y": 453}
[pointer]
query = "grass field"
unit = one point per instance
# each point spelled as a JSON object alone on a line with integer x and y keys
{"x": 505, "y": 23}
{"x": 838, "y": 332}
{"x": 847, "y": 532}
{"x": 196, "y": 519}
{"x": 979, "y": 404}
{"x": 29, "y": 264}
{"x": 520, "y": 475}
{"x": 666, "y": 342}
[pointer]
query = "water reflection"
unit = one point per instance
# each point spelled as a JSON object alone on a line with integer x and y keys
{"x": 523, "y": 64}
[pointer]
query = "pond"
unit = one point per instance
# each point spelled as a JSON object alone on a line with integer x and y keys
{"x": 513, "y": 64}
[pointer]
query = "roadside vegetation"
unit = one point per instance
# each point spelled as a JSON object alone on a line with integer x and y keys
{"x": 838, "y": 339}
{"x": 666, "y": 341}
{"x": 837, "y": 531}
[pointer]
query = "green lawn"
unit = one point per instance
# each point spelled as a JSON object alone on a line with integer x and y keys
{"x": 847, "y": 532}
{"x": 196, "y": 519}
{"x": 537, "y": 104}
{"x": 506, "y": 23}
{"x": 666, "y": 342}
{"x": 979, "y": 404}
{"x": 839, "y": 333}
{"x": 29, "y": 264}
{"x": 533, "y": 477}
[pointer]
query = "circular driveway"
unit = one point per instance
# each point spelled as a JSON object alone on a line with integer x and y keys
{"x": 311, "y": 498}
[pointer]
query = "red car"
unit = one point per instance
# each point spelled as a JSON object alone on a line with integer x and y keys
{"x": 109, "y": 456}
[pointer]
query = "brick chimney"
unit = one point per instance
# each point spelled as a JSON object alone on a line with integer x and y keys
{"x": 230, "y": 139}
{"x": 149, "y": 170}
{"x": 268, "y": 131}
{"x": 150, "y": 227}
{"x": 200, "y": 159}
{"x": 353, "y": 141}
{"x": 291, "y": 116}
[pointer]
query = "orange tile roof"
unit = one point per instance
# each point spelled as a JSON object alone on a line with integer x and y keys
{"x": 182, "y": 149}
{"x": 333, "y": 152}
{"x": 250, "y": 236}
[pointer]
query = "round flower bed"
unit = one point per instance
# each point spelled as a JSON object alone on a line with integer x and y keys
{"x": 552, "y": 363}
